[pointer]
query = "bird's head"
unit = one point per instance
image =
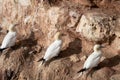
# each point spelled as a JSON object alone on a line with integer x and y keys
{"x": 58, "y": 35}
{"x": 98, "y": 47}
{"x": 12, "y": 27}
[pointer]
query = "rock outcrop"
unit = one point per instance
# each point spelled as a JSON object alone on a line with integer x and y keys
{"x": 84, "y": 23}
{"x": 96, "y": 26}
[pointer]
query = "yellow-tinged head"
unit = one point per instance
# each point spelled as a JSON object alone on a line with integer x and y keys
{"x": 57, "y": 36}
{"x": 97, "y": 47}
{"x": 12, "y": 27}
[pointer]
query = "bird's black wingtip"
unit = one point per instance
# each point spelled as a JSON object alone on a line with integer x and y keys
{"x": 78, "y": 72}
{"x": 82, "y": 70}
{"x": 1, "y": 50}
{"x": 42, "y": 59}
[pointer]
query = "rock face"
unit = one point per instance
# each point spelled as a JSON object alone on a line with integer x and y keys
{"x": 84, "y": 2}
{"x": 115, "y": 77}
{"x": 39, "y": 21}
{"x": 96, "y": 26}
{"x": 103, "y": 74}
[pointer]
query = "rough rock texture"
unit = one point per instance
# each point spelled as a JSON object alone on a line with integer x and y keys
{"x": 115, "y": 77}
{"x": 96, "y": 26}
{"x": 84, "y": 23}
{"x": 103, "y": 73}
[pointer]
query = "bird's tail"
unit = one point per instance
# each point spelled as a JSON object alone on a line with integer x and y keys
{"x": 42, "y": 59}
{"x": 1, "y": 50}
{"x": 82, "y": 70}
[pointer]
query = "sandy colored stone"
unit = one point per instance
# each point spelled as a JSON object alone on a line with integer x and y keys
{"x": 83, "y": 58}
{"x": 74, "y": 17}
{"x": 74, "y": 58}
{"x": 96, "y": 26}
{"x": 84, "y": 2}
{"x": 24, "y": 2}
{"x": 102, "y": 58}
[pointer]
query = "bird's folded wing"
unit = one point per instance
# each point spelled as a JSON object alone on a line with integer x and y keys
{"x": 53, "y": 50}
{"x": 92, "y": 61}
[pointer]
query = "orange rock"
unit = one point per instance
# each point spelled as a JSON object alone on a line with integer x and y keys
{"x": 84, "y": 2}
{"x": 93, "y": 28}
{"x": 105, "y": 2}
{"x": 103, "y": 74}
{"x": 115, "y": 77}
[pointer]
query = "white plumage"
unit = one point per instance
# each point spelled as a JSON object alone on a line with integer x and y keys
{"x": 9, "y": 39}
{"x": 93, "y": 60}
{"x": 53, "y": 50}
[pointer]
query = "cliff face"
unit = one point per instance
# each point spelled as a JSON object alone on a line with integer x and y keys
{"x": 84, "y": 23}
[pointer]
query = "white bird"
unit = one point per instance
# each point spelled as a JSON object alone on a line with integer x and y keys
{"x": 93, "y": 60}
{"x": 10, "y": 38}
{"x": 54, "y": 49}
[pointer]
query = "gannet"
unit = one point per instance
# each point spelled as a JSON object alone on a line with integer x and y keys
{"x": 54, "y": 49}
{"x": 93, "y": 60}
{"x": 9, "y": 39}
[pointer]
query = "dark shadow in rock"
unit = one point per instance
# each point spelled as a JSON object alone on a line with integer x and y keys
{"x": 75, "y": 47}
{"x": 111, "y": 39}
{"x": 110, "y": 62}
{"x": 8, "y": 74}
{"x": 108, "y": 40}
{"x": 90, "y": 73}
{"x": 29, "y": 43}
